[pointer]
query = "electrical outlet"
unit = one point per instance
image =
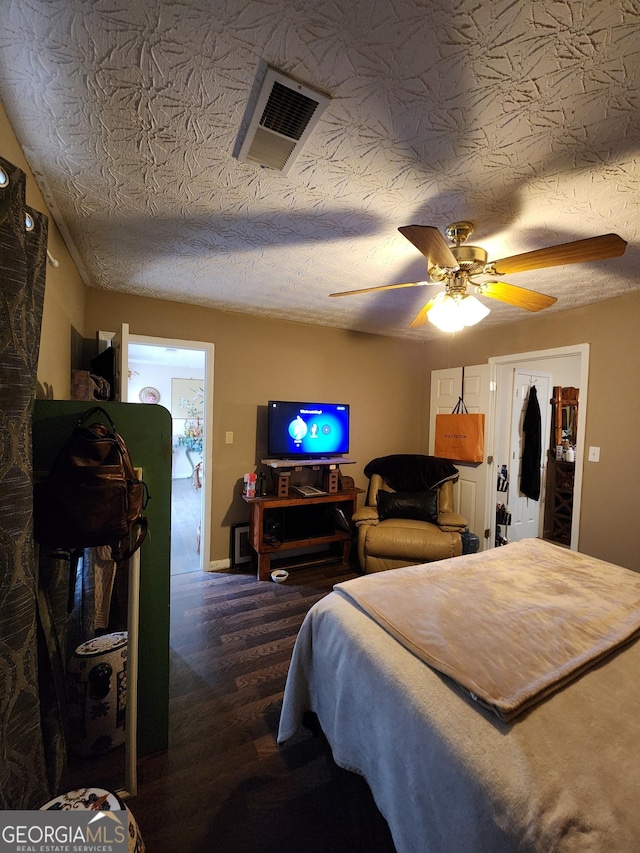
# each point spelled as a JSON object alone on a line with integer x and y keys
{"x": 594, "y": 454}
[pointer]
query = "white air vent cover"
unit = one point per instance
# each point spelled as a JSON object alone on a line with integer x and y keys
{"x": 285, "y": 115}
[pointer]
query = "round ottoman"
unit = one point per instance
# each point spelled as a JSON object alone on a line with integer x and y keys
{"x": 98, "y": 694}
{"x": 98, "y": 799}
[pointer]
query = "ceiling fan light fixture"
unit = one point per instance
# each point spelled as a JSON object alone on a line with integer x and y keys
{"x": 457, "y": 267}
{"x": 444, "y": 314}
{"x": 453, "y": 313}
{"x": 473, "y": 310}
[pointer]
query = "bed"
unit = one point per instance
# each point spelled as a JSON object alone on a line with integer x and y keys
{"x": 452, "y": 772}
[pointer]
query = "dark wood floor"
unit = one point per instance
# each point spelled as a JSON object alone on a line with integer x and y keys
{"x": 224, "y": 785}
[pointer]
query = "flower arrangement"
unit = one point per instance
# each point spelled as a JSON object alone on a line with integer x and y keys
{"x": 191, "y": 438}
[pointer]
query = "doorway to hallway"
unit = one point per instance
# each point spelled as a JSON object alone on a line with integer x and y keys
{"x": 177, "y": 375}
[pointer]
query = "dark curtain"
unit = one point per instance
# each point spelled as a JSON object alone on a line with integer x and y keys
{"x": 23, "y": 774}
{"x": 532, "y": 450}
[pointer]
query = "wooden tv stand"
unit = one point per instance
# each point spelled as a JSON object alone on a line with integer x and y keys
{"x": 278, "y": 524}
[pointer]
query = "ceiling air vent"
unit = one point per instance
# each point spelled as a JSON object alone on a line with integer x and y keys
{"x": 284, "y": 117}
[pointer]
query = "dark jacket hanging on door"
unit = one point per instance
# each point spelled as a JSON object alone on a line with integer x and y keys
{"x": 531, "y": 452}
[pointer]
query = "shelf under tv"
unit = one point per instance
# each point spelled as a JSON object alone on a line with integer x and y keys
{"x": 278, "y": 525}
{"x": 301, "y": 463}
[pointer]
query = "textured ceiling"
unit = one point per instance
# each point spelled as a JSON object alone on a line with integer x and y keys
{"x": 520, "y": 116}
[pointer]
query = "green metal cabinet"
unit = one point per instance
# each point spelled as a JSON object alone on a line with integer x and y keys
{"x": 147, "y": 431}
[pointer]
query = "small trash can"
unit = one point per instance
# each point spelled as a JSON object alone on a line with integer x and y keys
{"x": 98, "y": 799}
{"x": 98, "y": 694}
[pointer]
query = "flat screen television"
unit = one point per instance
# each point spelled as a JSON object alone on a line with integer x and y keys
{"x": 307, "y": 430}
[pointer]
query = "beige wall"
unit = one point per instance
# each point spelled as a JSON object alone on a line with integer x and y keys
{"x": 63, "y": 317}
{"x": 609, "y": 528}
{"x": 257, "y": 360}
{"x": 387, "y": 383}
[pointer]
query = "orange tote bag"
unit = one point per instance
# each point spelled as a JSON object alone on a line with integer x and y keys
{"x": 460, "y": 435}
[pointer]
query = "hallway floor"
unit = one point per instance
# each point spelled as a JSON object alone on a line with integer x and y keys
{"x": 185, "y": 518}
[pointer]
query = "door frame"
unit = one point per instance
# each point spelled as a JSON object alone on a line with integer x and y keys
{"x": 209, "y": 351}
{"x": 582, "y": 351}
{"x": 105, "y": 338}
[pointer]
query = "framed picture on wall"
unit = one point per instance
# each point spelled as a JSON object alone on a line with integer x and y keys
{"x": 187, "y": 398}
{"x": 240, "y": 547}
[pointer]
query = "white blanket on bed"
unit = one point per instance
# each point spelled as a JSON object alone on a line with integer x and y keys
{"x": 451, "y": 777}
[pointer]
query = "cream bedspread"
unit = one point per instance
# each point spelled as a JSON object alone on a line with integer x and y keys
{"x": 451, "y": 777}
{"x": 509, "y": 625}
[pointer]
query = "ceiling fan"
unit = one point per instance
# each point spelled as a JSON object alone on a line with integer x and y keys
{"x": 458, "y": 266}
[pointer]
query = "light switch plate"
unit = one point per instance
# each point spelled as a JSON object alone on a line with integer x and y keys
{"x": 594, "y": 454}
{"x": 228, "y": 437}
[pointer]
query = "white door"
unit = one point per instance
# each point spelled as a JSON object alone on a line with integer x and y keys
{"x": 473, "y": 489}
{"x": 525, "y": 512}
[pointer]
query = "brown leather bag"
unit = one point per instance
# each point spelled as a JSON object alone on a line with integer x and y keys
{"x": 91, "y": 495}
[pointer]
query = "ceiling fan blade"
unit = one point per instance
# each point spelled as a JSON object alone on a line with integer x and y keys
{"x": 380, "y": 287}
{"x": 431, "y": 243}
{"x": 577, "y": 252}
{"x": 518, "y": 296}
{"x": 421, "y": 317}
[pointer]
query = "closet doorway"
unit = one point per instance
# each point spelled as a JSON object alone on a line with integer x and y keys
{"x": 488, "y": 388}
{"x": 178, "y": 375}
{"x": 567, "y": 366}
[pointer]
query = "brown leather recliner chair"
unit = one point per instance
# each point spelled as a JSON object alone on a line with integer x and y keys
{"x": 395, "y": 541}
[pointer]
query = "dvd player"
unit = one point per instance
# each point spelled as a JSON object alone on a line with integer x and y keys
{"x": 308, "y": 491}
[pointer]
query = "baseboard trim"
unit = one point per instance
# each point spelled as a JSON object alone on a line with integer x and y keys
{"x": 219, "y": 565}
